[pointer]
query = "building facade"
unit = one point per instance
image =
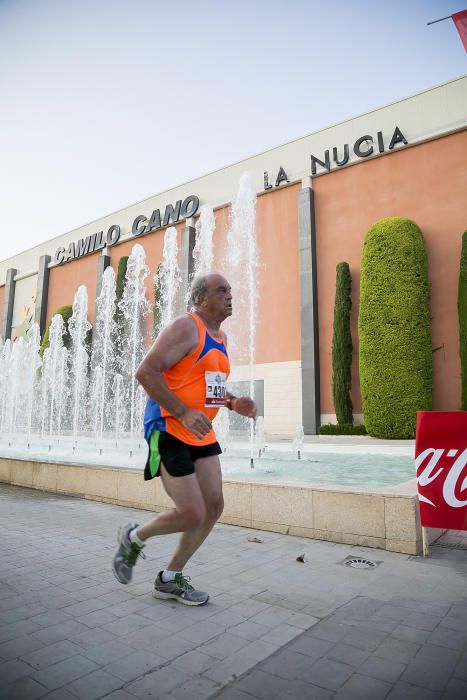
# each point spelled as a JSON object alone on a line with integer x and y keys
{"x": 317, "y": 198}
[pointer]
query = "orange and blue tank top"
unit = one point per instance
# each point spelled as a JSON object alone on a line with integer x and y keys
{"x": 199, "y": 381}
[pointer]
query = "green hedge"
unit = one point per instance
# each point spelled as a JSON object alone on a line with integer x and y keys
{"x": 66, "y": 313}
{"x": 462, "y": 311}
{"x": 342, "y": 429}
{"x": 342, "y": 346}
{"x": 394, "y": 329}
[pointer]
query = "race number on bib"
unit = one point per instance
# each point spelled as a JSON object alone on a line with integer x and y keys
{"x": 215, "y": 388}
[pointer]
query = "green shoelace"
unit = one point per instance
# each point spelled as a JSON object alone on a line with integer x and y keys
{"x": 183, "y": 582}
{"x": 131, "y": 557}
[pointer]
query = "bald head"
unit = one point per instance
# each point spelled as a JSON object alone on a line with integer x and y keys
{"x": 203, "y": 284}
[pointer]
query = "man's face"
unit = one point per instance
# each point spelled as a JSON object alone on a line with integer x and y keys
{"x": 218, "y": 300}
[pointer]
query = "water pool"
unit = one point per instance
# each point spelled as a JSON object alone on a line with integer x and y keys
{"x": 343, "y": 469}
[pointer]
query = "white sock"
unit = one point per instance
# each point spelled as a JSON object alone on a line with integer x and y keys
{"x": 169, "y": 575}
{"x": 133, "y": 537}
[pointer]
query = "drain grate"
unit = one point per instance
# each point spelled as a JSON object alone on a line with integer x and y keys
{"x": 360, "y": 563}
{"x": 450, "y": 545}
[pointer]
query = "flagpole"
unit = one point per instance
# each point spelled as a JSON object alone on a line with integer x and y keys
{"x": 439, "y": 20}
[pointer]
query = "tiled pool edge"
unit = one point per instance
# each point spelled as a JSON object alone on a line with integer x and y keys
{"x": 382, "y": 518}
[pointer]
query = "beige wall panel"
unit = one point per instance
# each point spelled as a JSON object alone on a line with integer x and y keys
{"x": 71, "y": 479}
{"x": 44, "y": 476}
{"x": 23, "y": 307}
{"x": 282, "y": 394}
{"x": 350, "y": 513}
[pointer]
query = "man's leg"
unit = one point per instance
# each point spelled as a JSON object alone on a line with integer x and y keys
{"x": 209, "y": 476}
{"x": 189, "y": 511}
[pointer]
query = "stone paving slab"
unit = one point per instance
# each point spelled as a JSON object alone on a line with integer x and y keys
{"x": 274, "y": 627}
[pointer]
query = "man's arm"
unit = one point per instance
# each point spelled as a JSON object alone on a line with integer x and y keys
{"x": 241, "y": 404}
{"x": 174, "y": 343}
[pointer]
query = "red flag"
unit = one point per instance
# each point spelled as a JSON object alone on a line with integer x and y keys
{"x": 441, "y": 463}
{"x": 460, "y": 20}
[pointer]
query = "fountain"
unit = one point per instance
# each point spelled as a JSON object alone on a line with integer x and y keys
{"x": 168, "y": 281}
{"x": 134, "y": 307}
{"x": 243, "y": 273}
{"x": 203, "y": 254}
{"x": 298, "y": 440}
{"x": 103, "y": 352}
{"x": 82, "y": 405}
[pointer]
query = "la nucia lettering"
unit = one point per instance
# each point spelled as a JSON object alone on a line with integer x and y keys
{"x": 362, "y": 148}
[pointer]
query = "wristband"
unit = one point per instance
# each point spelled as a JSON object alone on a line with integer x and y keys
{"x": 230, "y": 403}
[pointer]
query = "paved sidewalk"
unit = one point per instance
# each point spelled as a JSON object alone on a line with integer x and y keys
{"x": 274, "y": 627}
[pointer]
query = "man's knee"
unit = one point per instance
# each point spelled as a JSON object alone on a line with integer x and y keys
{"x": 214, "y": 508}
{"x": 193, "y": 515}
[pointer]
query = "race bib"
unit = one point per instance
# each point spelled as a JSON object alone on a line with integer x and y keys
{"x": 215, "y": 389}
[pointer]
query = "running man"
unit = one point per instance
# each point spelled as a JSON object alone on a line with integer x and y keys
{"x": 184, "y": 375}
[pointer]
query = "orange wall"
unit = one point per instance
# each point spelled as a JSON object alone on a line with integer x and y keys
{"x": 65, "y": 279}
{"x": 425, "y": 183}
{"x": 278, "y": 328}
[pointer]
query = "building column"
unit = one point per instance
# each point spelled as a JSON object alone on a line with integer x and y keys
{"x": 42, "y": 293}
{"x": 8, "y": 302}
{"x": 188, "y": 237}
{"x": 311, "y": 410}
{"x": 103, "y": 263}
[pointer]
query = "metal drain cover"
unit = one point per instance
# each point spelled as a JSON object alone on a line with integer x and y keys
{"x": 359, "y": 563}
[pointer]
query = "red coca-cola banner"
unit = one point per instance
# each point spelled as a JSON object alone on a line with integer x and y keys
{"x": 441, "y": 463}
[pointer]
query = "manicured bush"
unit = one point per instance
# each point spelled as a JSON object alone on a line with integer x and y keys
{"x": 342, "y": 346}
{"x": 462, "y": 311}
{"x": 66, "y": 312}
{"x": 120, "y": 281}
{"x": 394, "y": 329}
{"x": 342, "y": 429}
{"x": 118, "y": 315}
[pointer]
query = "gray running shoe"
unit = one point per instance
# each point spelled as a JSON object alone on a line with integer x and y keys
{"x": 180, "y": 589}
{"x": 127, "y": 554}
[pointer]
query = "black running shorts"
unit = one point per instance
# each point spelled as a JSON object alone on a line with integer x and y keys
{"x": 177, "y": 457}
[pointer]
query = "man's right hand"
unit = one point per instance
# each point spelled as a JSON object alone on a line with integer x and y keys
{"x": 196, "y": 421}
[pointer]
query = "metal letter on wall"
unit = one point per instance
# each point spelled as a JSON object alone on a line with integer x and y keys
{"x": 311, "y": 409}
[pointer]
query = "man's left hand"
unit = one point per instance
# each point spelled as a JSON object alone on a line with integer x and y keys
{"x": 244, "y": 406}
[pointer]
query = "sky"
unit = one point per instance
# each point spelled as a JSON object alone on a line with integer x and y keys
{"x": 104, "y": 103}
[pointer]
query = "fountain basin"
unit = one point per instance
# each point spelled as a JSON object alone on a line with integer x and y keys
{"x": 385, "y": 518}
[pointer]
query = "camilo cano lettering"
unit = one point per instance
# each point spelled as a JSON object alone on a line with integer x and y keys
{"x": 141, "y": 225}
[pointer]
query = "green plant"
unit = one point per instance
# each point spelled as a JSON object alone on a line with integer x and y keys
{"x": 120, "y": 281}
{"x": 462, "y": 311}
{"x": 119, "y": 319}
{"x": 342, "y": 429}
{"x": 66, "y": 312}
{"x": 342, "y": 346}
{"x": 394, "y": 328}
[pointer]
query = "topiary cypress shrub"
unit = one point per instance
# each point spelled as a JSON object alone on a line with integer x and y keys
{"x": 118, "y": 315}
{"x": 342, "y": 346}
{"x": 394, "y": 329}
{"x": 66, "y": 313}
{"x": 342, "y": 429}
{"x": 462, "y": 311}
{"x": 120, "y": 281}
